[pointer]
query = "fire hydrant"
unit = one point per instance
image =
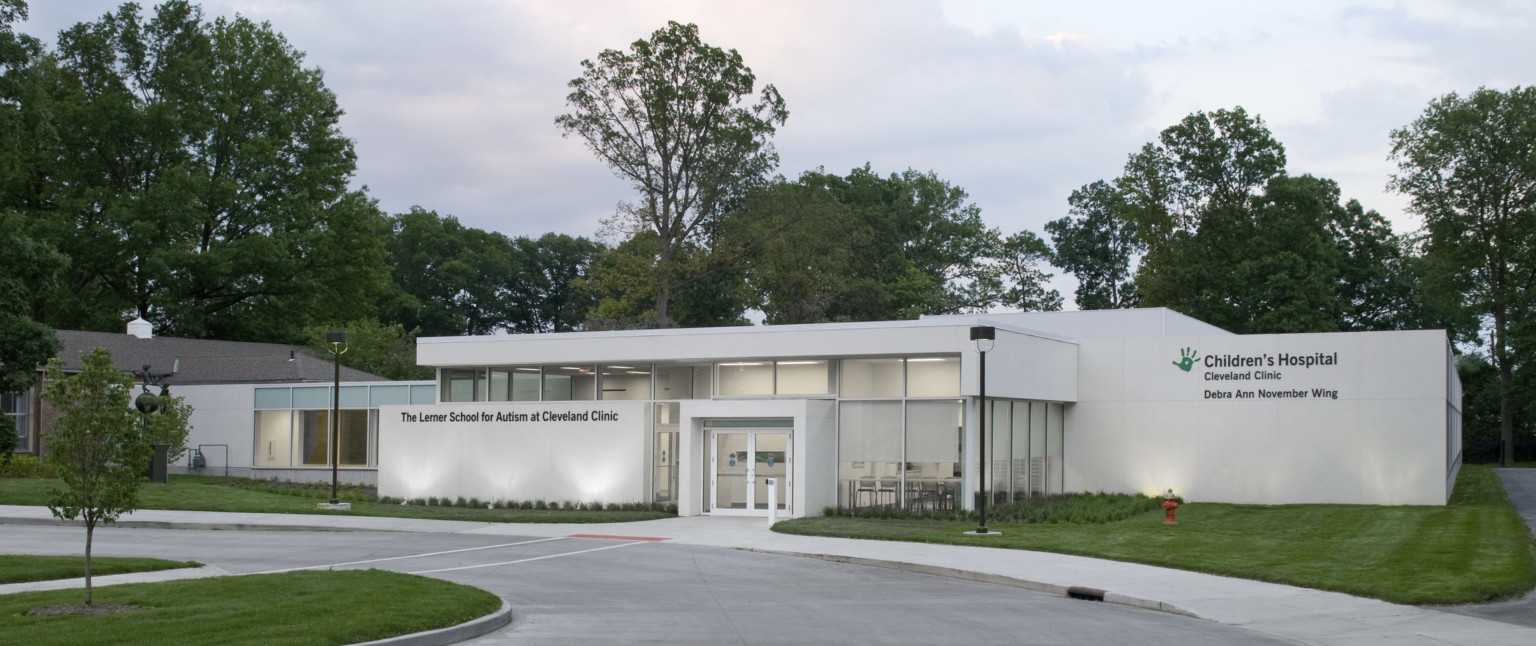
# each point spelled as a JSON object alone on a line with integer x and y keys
{"x": 1169, "y": 505}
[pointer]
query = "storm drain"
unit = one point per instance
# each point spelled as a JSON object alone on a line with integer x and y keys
{"x": 1086, "y": 594}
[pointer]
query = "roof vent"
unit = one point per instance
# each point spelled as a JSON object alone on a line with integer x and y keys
{"x": 141, "y": 328}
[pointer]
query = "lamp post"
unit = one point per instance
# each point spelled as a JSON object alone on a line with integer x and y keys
{"x": 983, "y": 337}
{"x": 148, "y": 404}
{"x": 338, "y": 346}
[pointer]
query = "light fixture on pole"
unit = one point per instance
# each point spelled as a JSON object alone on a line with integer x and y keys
{"x": 336, "y": 343}
{"x": 982, "y": 338}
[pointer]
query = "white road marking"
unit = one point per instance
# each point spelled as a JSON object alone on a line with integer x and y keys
{"x": 413, "y": 556}
{"x": 535, "y": 558}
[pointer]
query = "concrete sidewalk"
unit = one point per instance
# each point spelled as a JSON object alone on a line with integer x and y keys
{"x": 1305, "y": 615}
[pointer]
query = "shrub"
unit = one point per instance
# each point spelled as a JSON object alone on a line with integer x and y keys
{"x": 28, "y": 466}
{"x": 1082, "y": 508}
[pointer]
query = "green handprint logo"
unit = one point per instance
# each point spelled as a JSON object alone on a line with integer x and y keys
{"x": 1187, "y": 359}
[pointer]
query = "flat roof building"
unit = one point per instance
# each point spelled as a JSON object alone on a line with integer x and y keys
{"x": 723, "y": 420}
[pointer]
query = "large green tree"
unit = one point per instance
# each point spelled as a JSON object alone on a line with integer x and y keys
{"x": 97, "y": 445}
{"x": 449, "y": 279}
{"x": 548, "y": 293}
{"x": 1468, "y": 164}
{"x": 870, "y": 247}
{"x": 684, "y": 123}
{"x": 27, "y": 270}
{"x": 622, "y": 282}
{"x": 1096, "y": 243}
{"x": 1231, "y": 239}
{"x": 201, "y": 181}
{"x": 384, "y": 349}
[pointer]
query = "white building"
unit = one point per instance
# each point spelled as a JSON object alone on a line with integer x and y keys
{"x": 258, "y": 409}
{"x": 889, "y": 413}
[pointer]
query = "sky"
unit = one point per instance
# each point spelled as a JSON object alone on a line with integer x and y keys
{"x": 451, "y": 104}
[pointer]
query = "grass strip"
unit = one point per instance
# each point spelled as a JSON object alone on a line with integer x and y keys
{"x": 21, "y": 569}
{"x": 1476, "y": 548}
{"x": 212, "y": 493}
{"x": 292, "y": 608}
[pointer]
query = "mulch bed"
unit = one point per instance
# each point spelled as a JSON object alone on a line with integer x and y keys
{"x": 81, "y": 609}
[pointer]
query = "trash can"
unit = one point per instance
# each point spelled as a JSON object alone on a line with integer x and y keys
{"x": 157, "y": 462}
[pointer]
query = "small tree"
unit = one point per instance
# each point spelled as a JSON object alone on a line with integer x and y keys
{"x": 97, "y": 445}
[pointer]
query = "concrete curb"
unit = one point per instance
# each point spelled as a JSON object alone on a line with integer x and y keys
{"x": 453, "y": 634}
{"x": 152, "y": 576}
{"x": 167, "y": 524}
{"x": 983, "y": 577}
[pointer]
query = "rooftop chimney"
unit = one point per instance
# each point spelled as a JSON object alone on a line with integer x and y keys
{"x": 141, "y": 328}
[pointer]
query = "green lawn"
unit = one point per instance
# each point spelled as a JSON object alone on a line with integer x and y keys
{"x": 210, "y": 493}
{"x": 1474, "y": 549}
{"x": 20, "y": 569}
{"x": 308, "y": 608}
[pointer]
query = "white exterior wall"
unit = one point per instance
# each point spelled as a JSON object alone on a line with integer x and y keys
{"x": 480, "y": 457}
{"x": 226, "y": 414}
{"x": 221, "y": 414}
{"x": 1142, "y": 424}
{"x": 1023, "y": 366}
{"x": 813, "y": 449}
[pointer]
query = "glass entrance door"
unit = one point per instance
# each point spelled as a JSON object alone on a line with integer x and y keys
{"x": 742, "y": 461}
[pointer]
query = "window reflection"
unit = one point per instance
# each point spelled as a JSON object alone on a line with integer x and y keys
{"x": 626, "y": 382}
{"x": 569, "y": 383}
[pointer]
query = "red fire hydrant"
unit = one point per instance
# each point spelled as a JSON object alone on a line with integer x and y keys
{"x": 1169, "y": 505}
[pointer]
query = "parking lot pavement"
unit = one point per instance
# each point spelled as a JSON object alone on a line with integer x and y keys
{"x": 567, "y": 590}
{"x": 1300, "y": 614}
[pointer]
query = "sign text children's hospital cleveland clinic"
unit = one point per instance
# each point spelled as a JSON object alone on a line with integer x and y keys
{"x": 1278, "y": 375}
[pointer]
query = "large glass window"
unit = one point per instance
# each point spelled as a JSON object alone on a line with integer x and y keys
{"x": 746, "y": 378}
{"x": 1020, "y": 440}
{"x": 803, "y": 377}
{"x": 869, "y": 453}
{"x": 514, "y": 385}
{"x": 274, "y": 438}
{"x": 933, "y": 377}
{"x": 569, "y": 383}
{"x": 1056, "y": 477}
{"x": 870, "y": 378}
{"x": 1037, "y": 462}
{"x": 312, "y": 397}
{"x": 500, "y": 385}
{"x": 999, "y": 452}
{"x": 16, "y": 407}
{"x": 314, "y": 436}
{"x": 934, "y": 435}
{"x": 685, "y": 381}
{"x": 353, "y": 438}
{"x": 525, "y": 384}
{"x": 462, "y": 385}
{"x": 274, "y": 398}
{"x": 631, "y": 381}
{"x": 388, "y": 396}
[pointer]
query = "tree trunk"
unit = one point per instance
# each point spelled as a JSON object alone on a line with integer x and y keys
{"x": 1507, "y": 384}
{"x": 663, "y": 295}
{"x": 90, "y": 529}
{"x": 663, "y": 280}
{"x": 1506, "y": 415}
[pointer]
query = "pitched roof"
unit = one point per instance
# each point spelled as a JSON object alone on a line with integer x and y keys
{"x": 201, "y": 361}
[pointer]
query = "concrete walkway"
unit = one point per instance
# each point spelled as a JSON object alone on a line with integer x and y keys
{"x": 1305, "y": 615}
